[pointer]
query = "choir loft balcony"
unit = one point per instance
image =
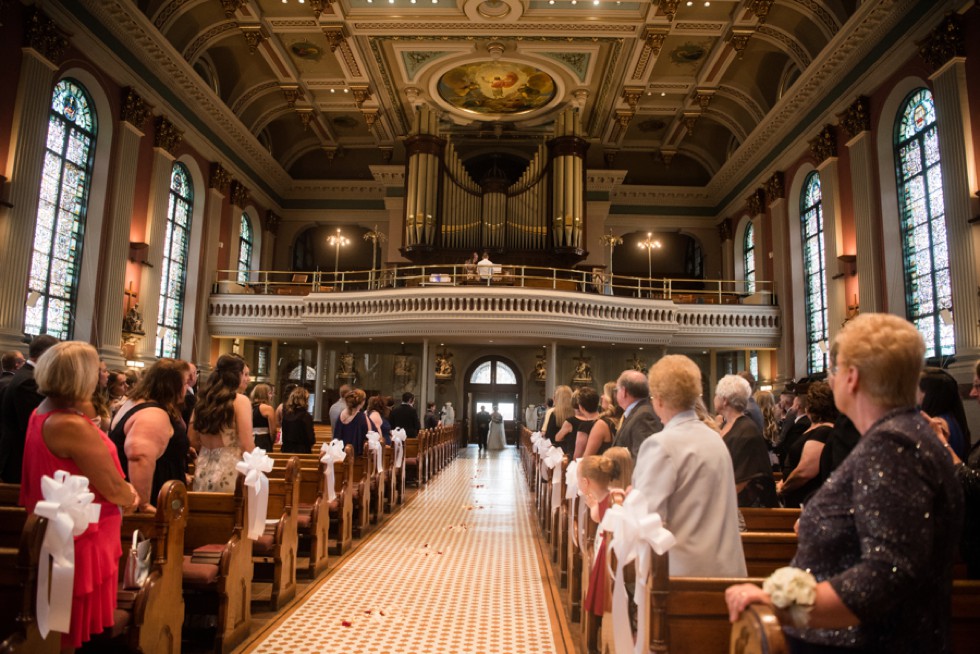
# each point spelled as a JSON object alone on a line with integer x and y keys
{"x": 513, "y": 304}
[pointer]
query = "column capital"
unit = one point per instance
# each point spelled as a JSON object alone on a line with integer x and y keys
{"x": 239, "y": 194}
{"x": 166, "y": 136}
{"x": 725, "y": 230}
{"x": 756, "y": 202}
{"x": 44, "y": 37}
{"x": 219, "y": 178}
{"x": 856, "y": 118}
{"x": 272, "y": 220}
{"x": 134, "y": 109}
{"x": 775, "y": 188}
{"x": 943, "y": 43}
{"x": 824, "y": 145}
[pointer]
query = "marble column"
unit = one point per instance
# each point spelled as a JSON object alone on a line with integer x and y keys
{"x": 425, "y": 377}
{"x": 24, "y": 168}
{"x": 781, "y": 285}
{"x": 321, "y": 347}
{"x": 113, "y": 270}
{"x": 214, "y": 205}
{"x": 166, "y": 138}
{"x": 959, "y": 183}
{"x": 867, "y": 219}
{"x": 833, "y": 248}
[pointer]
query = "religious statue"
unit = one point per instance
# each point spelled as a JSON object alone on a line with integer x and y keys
{"x": 636, "y": 364}
{"x": 402, "y": 366}
{"x": 583, "y": 372}
{"x": 133, "y": 320}
{"x": 346, "y": 365}
{"x": 541, "y": 370}
{"x": 444, "y": 366}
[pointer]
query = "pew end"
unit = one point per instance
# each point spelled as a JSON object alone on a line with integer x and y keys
{"x": 21, "y": 536}
{"x": 757, "y": 630}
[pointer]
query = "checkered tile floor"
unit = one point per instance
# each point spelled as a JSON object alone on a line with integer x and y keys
{"x": 456, "y": 570}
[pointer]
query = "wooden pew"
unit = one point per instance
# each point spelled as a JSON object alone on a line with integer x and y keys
{"x": 274, "y": 553}
{"x": 313, "y": 516}
{"x": 21, "y": 536}
{"x": 361, "y": 494}
{"x": 342, "y": 508}
{"x": 758, "y": 630}
{"x": 150, "y": 618}
{"x": 770, "y": 519}
{"x": 767, "y": 550}
{"x": 218, "y": 519}
{"x": 413, "y": 462}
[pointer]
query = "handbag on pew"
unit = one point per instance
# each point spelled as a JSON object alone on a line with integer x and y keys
{"x": 137, "y": 562}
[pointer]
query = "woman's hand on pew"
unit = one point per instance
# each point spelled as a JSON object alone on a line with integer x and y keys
{"x": 739, "y": 596}
{"x": 134, "y": 503}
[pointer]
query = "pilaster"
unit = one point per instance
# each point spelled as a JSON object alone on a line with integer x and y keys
{"x": 214, "y": 204}
{"x": 864, "y": 187}
{"x": 959, "y": 173}
{"x": 113, "y": 282}
{"x": 833, "y": 248}
{"x": 779, "y": 214}
{"x": 30, "y": 125}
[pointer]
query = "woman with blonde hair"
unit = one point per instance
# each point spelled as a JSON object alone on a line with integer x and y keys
{"x": 264, "y": 421}
{"x": 766, "y": 402}
{"x": 62, "y": 435}
{"x": 561, "y": 412}
{"x": 298, "y": 436}
{"x": 353, "y": 425}
{"x": 221, "y": 426}
{"x": 679, "y": 468}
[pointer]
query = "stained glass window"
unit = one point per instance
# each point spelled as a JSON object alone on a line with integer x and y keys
{"x": 748, "y": 257}
{"x": 65, "y": 180}
{"x": 923, "y": 223}
{"x": 501, "y": 373}
{"x": 174, "y": 269}
{"x": 814, "y": 274}
{"x": 244, "y": 249}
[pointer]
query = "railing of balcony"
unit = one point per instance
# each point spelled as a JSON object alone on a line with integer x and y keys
{"x": 700, "y": 291}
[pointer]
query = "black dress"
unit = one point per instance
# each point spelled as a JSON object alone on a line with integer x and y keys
{"x": 297, "y": 432}
{"x": 172, "y": 464}
{"x": 798, "y": 496}
{"x": 260, "y": 422}
{"x": 750, "y": 459}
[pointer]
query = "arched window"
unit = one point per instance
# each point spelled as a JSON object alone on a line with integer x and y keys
{"x": 748, "y": 257}
{"x": 174, "y": 269}
{"x": 57, "y": 252}
{"x": 814, "y": 274}
{"x": 244, "y": 249}
{"x": 923, "y": 223}
{"x": 493, "y": 372}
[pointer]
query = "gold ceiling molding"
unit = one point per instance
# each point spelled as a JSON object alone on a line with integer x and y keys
{"x": 943, "y": 43}
{"x": 254, "y": 36}
{"x": 219, "y": 178}
{"x": 134, "y": 109}
{"x": 240, "y": 195}
{"x": 272, "y": 222}
{"x": 668, "y": 8}
{"x": 291, "y": 93}
{"x": 775, "y": 188}
{"x": 166, "y": 136}
{"x": 44, "y": 37}
{"x": 824, "y": 145}
{"x": 231, "y": 7}
{"x": 755, "y": 203}
{"x": 760, "y": 8}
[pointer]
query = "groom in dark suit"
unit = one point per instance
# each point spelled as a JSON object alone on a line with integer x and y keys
{"x": 18, "y": 401}
{"x": 482, "y": 426}
{"x": 639, "y": 420}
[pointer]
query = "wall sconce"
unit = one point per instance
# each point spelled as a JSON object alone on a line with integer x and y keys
{"x": 851, "y": 311}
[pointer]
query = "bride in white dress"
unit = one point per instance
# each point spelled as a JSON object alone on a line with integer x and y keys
{"x": 496, "y": 439}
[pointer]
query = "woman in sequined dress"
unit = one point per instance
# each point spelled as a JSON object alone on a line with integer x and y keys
{"x": 880, "y": 535}
{"x": 221, "y": 426}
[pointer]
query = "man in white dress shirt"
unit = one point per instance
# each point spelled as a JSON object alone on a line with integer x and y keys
{"x": 685, "y": 473}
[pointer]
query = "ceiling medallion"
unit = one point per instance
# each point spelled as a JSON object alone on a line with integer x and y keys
{"x": 495, "y": 9}
{"x": 496, "y": 87}
{"x": 487, "y": 11}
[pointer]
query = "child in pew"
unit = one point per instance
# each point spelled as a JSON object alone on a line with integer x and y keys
{"x": 599, "y": 476}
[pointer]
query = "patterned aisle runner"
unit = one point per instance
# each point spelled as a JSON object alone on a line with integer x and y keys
{"x": 454, "y": 571}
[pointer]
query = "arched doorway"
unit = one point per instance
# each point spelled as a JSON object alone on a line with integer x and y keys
{"x": 493, "y": 380}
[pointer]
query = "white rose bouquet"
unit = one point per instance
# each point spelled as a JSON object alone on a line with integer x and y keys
{"x": 794, "y": 591}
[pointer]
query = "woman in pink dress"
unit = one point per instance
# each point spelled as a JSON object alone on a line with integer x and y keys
{"x": 63, "y": 435}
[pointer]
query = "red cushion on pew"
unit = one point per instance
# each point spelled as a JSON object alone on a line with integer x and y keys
{"x": 264, "y": 545}
{"x": 303, "y": 521}
{"x": 199, "y": 575}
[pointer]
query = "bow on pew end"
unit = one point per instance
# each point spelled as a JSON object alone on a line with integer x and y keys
{"x": 254, "y": 465}
{"x": 330, "y": 453}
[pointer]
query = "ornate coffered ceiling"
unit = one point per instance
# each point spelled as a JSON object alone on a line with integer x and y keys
{"x": 671, "y": 91}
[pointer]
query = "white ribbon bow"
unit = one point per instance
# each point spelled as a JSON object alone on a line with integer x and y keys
{"x": 535, "y": 437}
{"x": 398, "y": 438}
{"x": 330, "y": 453}
{"x": 541, "y": 446}
{"x": 68, "y": 506}
{"x": 571, "y": 480}
{"x": 254, "y": 465}
{"x": 553, "y": 459}
{"x": 635, "y": 531}
{"x": 374, "y": 444}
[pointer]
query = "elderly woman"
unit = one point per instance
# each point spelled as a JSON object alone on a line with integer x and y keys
{"x": 149, "y": 431}
{"x": 221, "y": 427}
{"x": 801, "y": 474}
{"x": 62, "y": 435}
{"x": 750, "y": 455}
{"x": 879, "y": 537}
{"x": 679, "y": 468}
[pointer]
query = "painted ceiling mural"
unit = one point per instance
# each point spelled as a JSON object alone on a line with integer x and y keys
{"x": 497, "y": 87}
